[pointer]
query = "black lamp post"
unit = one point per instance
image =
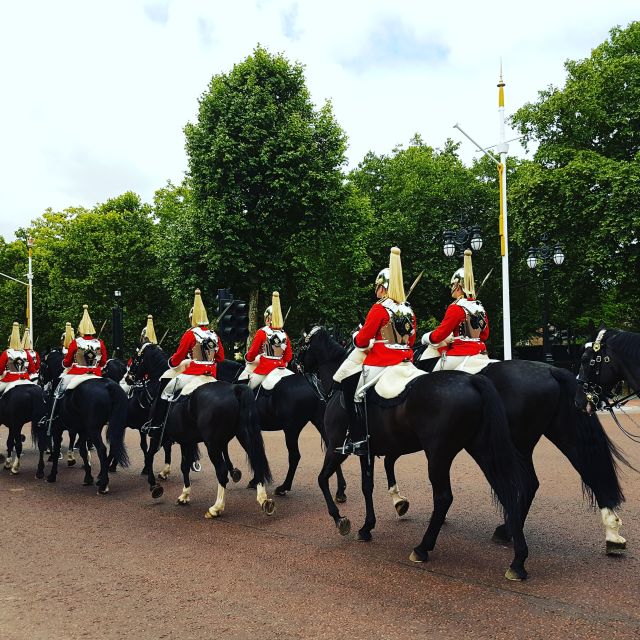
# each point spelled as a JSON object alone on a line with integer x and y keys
{"x": 544, "y": 254}
{"x": 466, "y": 237}
{"x": 117, "y": 330}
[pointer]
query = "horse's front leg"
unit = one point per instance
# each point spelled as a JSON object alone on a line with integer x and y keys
{"x": 332, "y": 462}
{"x": 55, "y": 454}
{"x": 103, "y": 476}
{"x": 341, "y": 495}
{"x": 366, "y": 471}
{"x": 222, "y": 474}
{"x": 234, "y": 472}
{"x": 291, "y": 437}
{"x": 166, "y": 470}
{"x": 154, "y": 444}
{"x": 71, "y": 456}
{"x": 400, "y": 503}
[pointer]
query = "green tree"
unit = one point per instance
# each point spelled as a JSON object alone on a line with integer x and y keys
{"x": 583, "y": 187}
{"x": 267, "y": 186}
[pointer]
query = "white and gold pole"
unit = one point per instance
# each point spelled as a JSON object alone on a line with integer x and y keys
{"x": 30, "y": 243}
{"x": 502, "y": 149}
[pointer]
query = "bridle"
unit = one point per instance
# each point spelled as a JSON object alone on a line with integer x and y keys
{"x": 590, "y": 383}
{"x": 311, "y": 378}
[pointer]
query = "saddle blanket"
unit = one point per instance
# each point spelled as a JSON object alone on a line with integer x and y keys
{"x": 273, "y": 377}
{"x": 183, "y": 385}
{"x": 7, "y": 386}
{"x": 351, "y": 366}
{"x": 394, "y": 379}
{"x": 74, "y": 380}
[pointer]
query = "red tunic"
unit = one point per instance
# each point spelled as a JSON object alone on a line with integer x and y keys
{"x": 77, "y": 369}
{"x": 195, "y": 367}
{"x": 380, "y": 354}
{"x": 12, "y": 376}
{"x": 35, "y": 356}
{"x": 267, "y": 363}
{"x": 461, "y": 346}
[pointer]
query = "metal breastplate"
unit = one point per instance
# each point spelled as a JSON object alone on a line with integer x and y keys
{"x": 397, "y": 332}
{"x": 16, "y": 361}
{"x": 276, "y": 343}
{"x": 475, "y": 319}
{"x": 206, "y": 345}
{"x": 88, "y": 353}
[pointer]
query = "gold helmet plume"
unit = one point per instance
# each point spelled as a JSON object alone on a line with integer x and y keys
{"x": 198, "y": 313}
{"x": 396, "y": 285}
{"x": 464, "y": 277}
{"x": 275, "y": 311}
{"x": 149, "y": 332}
{"x": 14, "y": 339}
{"x": 67, "y": 336}
{"x": 26, "y": 339}
{"x": 86, "y": 328}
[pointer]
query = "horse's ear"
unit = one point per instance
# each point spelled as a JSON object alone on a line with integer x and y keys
{"x": 602, "y": 326}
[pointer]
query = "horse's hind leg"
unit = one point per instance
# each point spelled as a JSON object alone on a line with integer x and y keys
{"x": 291, "y": 437}
{"x": 55, "y": 455}
{"x": 234, "y": 472}
{"x": 71, "y": 456}
{"x": 439, "y": 475}
{"x": 154, "y": 444}
{"x": 341, "y": 495}
{"x": 366, "y": 471}
{"x": 103, "y": 476}
{"x": 17, "y": 439}
{"x": 216, "y": 510}
{"x": 187, "y": 457}
{"x": 400, "y": 503}
{"x": 9, "y": 460}
{"x": 332, "y": 462}
{"x": 86, "y": 464}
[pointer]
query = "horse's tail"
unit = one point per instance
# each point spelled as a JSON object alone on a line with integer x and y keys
{"x": 598, "y": 458}
{"x": 249, "y": 427}
{"x": 117, "y": 424}
{"x": 504, "y": 467}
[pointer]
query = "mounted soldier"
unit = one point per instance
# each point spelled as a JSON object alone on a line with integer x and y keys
{"x": 193, "y": 364}
{"x": 66, "y": 338}
{"x": 27, "y": 345}
{"x": 386, "y": 340}
{"x": 147, "y": 337}
{"x": 459, "y": 341}
{"x": 85, "y": 356}
{"x": 16, "y": 364}
{"x": 271, "y": 347}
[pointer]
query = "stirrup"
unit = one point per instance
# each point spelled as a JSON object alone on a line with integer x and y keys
{"x": 349, "y": 447}
{"x": 147, "y": 427}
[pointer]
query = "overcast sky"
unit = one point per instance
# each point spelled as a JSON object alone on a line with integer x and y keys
{"x": 96, "y": 94}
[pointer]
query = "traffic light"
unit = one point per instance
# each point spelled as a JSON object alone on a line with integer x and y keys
{"x": 233, "y": 317}
{"x": 240, "y": 313}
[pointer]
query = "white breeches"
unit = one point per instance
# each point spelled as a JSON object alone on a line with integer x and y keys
{"x": 255, "y": 380}
{"x": 369, "y": 376}
{"x": 470, "y": 364}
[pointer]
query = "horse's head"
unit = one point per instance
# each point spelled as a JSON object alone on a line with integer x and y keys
{"x": 114, "y": 369}
{"x": 310, "y": 349}
{"x": 599, "y": 373}
{"x": 51, "y": 366}
{"x": 149, "y": 361}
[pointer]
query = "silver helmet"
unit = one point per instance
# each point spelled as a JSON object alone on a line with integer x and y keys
{"x": 382, "y": 279}
{"x": 268, "y": 313}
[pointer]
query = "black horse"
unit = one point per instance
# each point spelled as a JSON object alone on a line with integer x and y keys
{"x": 289, "y": 406}
{"x": 19, "y": 405}
{"x": 539, "y": 401}
{"x": 440, "y": 414}
{"x": 147, "y": 365}
{"x": 213, "y": 413}
{"x": 85, "y": 410}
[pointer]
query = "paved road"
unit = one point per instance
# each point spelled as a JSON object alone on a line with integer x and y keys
{"x": 78, "y": 565}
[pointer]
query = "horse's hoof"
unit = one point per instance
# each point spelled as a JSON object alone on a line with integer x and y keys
{"x": 363, "y": 536}
{"x": 280, "y": 491}
{"x": 418, "y": 557}
{"x": 236, "y": 475}
{"x": 402, "y": 507}
{"x": 103, "y": 490}
{"x": 210, "y": 516}
{"x": 161, "y": 476}
{"x": 269, "y": 506}
{"x": 51, "y": 478}
{"x": 14, "y": 472}
{"x": 515, "y": 576}
{"x": 344, "y": 526}
{"x": 39, "y": 475}
{"x": 182, "y": 503}
{"x": 7, "y": 465}
{"x": 252, "y": 484}
{"x": 156, "y": 491}
{"x": 71, "y": 463}
{"x": 616, "y": 548}
{"x": 341, "y": 498}
{"x": 87, "y": 482}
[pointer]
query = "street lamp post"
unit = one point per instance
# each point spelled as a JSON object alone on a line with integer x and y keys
{"x": 466, "y": 237}
{"x": 544, "y": 254}
{"x": 29, "y": 285}
{"x": 116, "y": 324}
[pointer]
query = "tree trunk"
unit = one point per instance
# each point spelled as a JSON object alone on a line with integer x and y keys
{"x": 253, "y": 314}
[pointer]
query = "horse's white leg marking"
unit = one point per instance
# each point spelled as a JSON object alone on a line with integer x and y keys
{"x": 15, "y": 467}
{"x": 217, "y": 509}
{"x": 164, "y": 474}
{"x": 394, "y": 492}
{"x": 261, "y": 494}
{"x": 612, "y": 524}
{"x": 71, "y": 455}
{"x": 8, "y": 462}
{"x": 185, "y": 496}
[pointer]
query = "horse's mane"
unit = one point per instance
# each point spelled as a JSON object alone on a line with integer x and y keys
{"x": 625, "y": 343}
{"x": 156, "y": 358}
{"x": 334, "y": 349}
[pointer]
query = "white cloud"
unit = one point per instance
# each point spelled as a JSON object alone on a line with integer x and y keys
{"x": 95, "y": 95}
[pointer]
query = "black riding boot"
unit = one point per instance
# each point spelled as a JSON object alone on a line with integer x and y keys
{"x": 357, "y": 440}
